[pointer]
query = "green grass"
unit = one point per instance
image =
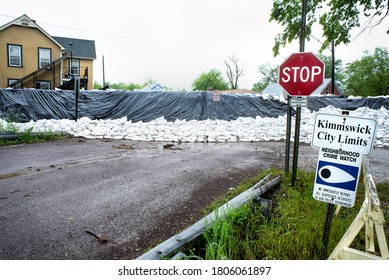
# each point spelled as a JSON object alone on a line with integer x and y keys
{"x": 383, "y": 194}
{"x": 11, "y": 129}
{"x": 294, "y": 231}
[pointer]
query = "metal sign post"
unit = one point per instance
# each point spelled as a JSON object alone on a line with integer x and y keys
{"x": 327, "y": 230}
{"x": 296, "y": 144}
{"x": 288, "y": 134}
{"x": 76, "y": 94}
{"x": 298, "y": 110}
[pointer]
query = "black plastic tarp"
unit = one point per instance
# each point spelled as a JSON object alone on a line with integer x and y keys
{"x": 23, "y": 105}
{"x": 31, "y": 104}
{"x": 316, "y": 103}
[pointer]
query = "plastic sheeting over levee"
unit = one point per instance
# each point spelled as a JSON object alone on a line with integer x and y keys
{"x": 23, "y": 105}
{"x": 316, "y": 103}
{"x": 30, "y": 104}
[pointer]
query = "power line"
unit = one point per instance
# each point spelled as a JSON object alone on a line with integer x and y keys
{"x": 114, "y": 35}
{"x": 77, "y": 29}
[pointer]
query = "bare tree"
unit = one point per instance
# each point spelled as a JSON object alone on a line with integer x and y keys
{"x": 234, "y": 71}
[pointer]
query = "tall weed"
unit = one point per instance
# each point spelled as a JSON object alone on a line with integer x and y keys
{"x": 294, "y": 232}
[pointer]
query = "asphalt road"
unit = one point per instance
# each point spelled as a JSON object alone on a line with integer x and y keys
{"x": 96, "y": 199}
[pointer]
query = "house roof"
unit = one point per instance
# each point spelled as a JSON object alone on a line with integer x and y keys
{"x": 25, "y": 21}
{"x": 154, "y": 87}
{"x": 323, "y": 86}
{"x": 79, "y": 47}
{"x": 273, "y": 89}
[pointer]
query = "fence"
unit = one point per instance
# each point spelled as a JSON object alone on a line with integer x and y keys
{"x": 370, "y": 216}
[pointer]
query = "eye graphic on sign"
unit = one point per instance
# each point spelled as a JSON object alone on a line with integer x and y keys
{"x": 333, "y": 174}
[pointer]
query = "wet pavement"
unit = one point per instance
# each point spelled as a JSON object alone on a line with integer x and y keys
{"x": 111, "y": 199}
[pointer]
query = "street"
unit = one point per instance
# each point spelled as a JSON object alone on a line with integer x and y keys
{"x": 113, "y": 199}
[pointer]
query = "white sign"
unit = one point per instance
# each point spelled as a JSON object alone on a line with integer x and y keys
{"x": 216, "y": 96}
{"x": 344, "y": 132}
{"x": 298, "y": 102}
{"x": 337, "y": 176}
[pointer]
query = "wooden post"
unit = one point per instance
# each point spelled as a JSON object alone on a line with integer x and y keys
{"x": 370, "y": 215}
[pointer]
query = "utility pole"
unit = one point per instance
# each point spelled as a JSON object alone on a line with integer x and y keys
{"x": 298, "y": 109}
{"x": 103, "y": 73}
{"x": 333, "y": 67}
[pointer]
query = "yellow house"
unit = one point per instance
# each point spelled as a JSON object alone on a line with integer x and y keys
{"x": 31, "y": 58}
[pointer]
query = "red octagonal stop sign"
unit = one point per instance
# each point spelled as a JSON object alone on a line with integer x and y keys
{"x": 301, "y": 74}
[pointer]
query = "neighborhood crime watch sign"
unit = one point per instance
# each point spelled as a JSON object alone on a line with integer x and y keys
{"x": 337, "y": 177}
{"x": 301, "y": 74}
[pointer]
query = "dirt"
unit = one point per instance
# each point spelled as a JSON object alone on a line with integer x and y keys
{"x": 114, "y": 199}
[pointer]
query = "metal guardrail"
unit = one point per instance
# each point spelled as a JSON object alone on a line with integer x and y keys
{"x": 167, "y": 247}
{"x": 370, "y": 216}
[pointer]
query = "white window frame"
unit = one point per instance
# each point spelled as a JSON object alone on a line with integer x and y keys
{"x": 11, "y": 81}
{"x": 14, "y": 55}
{"x": 74, "y": 67}
{"x": 44, "y": 57}
{"x": 45, "y": 85}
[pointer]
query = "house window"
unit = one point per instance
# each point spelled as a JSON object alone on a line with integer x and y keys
{"x": 43, "y": 85}
{"x": 74, "y": 67}
{"x": 15, "y": 55}
{"x": 44, "y": 56}
{"x": 11, "y": 81}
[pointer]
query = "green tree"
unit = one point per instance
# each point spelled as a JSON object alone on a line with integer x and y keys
{"x": 258, "y": 86}
{"x": 337, "y": 18}
{"x": 119, "y": 85}
{"x": 96, "y": 85}
{"x": 149, "y": 81}
{"x": 267, "y": 75}
{"x": 339, "y": 70}
{"x": 369, "y": 76}
{"x": 212, "y": 80}
{"x": 122, "y": 85}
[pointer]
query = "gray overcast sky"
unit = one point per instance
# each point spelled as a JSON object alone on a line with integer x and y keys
{"x": 174, "y": 41}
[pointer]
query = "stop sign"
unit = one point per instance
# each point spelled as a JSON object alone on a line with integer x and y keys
{"x": 301, "y": 74}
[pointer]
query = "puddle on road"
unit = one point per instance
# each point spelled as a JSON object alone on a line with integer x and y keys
{"x": 10, "y": 175}
{"x": 30, "y": 170}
